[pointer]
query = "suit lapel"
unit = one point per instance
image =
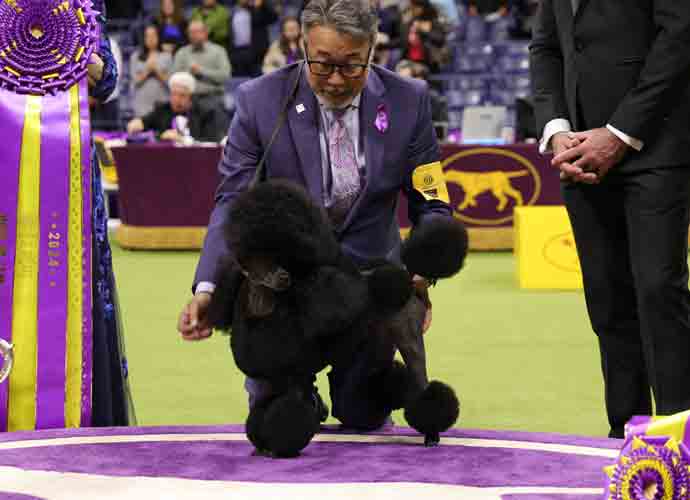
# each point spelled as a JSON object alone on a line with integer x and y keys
{"x": 372, "y": 98}
{"x": 303, "y": 118}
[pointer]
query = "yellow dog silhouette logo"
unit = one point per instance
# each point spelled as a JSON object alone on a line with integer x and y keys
{"x": 497, "y": 182}
{"x": 488, "y": 183}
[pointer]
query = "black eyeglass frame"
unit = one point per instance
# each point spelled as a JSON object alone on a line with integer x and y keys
{"x": 332, "y": 66}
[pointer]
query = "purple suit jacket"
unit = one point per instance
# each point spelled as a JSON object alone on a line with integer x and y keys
{"x": 371, "y": 229}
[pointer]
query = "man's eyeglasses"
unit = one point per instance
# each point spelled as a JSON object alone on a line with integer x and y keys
{"x": 324, "y": 68}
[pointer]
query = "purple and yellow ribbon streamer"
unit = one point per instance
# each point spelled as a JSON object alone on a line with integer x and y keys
{"x": 654, "y": 462}
{"x": 45, "y": 212}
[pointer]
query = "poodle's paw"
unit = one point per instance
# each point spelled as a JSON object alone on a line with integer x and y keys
{"x": 432, "y": 440}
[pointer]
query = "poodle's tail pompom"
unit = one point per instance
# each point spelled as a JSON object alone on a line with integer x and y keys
{"x": 435, "y": 410}
{"x": 390, "y": 287}
{"x": 285, "y": 426}
{"x": 436, "y": 248}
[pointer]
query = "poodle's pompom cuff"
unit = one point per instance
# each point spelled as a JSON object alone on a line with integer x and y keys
{"x": 436, "y": 248}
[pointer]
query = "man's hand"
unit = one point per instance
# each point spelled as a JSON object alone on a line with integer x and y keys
{"x": 599, "y": 150}
{"x": 193, "y": 321}
{"x": 170, "y": 135}
{"x": 95, "y": 70}
{"x": 195, "y": 69}
{"x": 562, "y": 142}
{"x": 421, "y": 290}
{"x": 135, "y": 126}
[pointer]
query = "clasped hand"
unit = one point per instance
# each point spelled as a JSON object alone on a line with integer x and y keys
{"x": 586, "y": 156}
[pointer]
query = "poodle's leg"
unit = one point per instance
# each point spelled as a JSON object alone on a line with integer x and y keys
{"x": 281, "y": 427}
{"x": 430, "y": 408}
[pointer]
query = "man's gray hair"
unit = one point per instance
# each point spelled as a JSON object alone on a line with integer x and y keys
{"x": 183, "y": 79}
{"x": 357, "y": 18}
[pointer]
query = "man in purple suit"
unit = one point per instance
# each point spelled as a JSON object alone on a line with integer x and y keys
{"x": 354, "y": 136}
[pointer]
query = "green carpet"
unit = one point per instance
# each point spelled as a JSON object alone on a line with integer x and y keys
{"x": 519, "y": 360}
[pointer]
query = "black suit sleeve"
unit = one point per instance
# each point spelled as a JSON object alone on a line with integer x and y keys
{"x": 664, "y": 77}
{"x": 546, "y": 66}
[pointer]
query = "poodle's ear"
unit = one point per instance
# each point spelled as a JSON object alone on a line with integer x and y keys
{"x": 228, "y": 281}
{"x": 436, "y": 248}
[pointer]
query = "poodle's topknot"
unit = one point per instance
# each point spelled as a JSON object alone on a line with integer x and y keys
{"x": 277, "y": 221}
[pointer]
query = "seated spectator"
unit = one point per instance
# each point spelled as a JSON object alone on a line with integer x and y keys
{"x": 448, "y": 11}
{"x": 439, "y": 105}
{"x": 209, "y": 64}
{"x": 182, "y": 116}
{"x": 487, "y": 7}
{"x": 217, "y": 18}
{"x": 117, "y": 9}
{"x": 384, "y": 54}
{"x": 287, "y": 49}
{"x": 172, "y": 25}
{"x": 390, "y": 20}
{"x": 249, "y": 37}
{"x": 423, "y": 36}
{"x": 149, "y": 69}
{"x": 105, "y": 115}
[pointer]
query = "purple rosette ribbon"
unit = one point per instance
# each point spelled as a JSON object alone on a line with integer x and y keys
{"x": 654, "y": 462}
{"x": 45, "y": 45}
{"x": 45, "y": 213}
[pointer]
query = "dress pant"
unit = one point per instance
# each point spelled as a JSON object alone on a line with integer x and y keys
{"x": 631, "y": 232}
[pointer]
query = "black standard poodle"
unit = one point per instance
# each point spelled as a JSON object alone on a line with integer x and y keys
{"x": 294, "y": 304}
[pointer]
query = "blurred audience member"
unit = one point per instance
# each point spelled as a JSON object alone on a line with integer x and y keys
{"x": 182, "y": 118}
{"x": 448, "y": 10}
{"x": 439, "y": 105}
{"x": 249, "y": 38}
{"x": 117, "y": 9}
{"x": 105, "y": 115}
{"x": 217, "y": 18}
{"x": 487, "y": 7}
{"x": 208, "y": 62}
{"x": 172, "y": 25}
{"x": 149, "y": 69}
{"x": 424, "y": 37}
{"x": 286, "y": 49}
{"x": 383, "y": 52}
{"x": 390, "y": 21}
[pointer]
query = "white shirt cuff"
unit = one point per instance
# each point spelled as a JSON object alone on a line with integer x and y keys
{"x": 205, "y": 286}
{"x": 636, "y": 144}
{"x": 552, "y": 128}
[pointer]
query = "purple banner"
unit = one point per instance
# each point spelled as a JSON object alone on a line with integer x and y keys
{"x": 12, "y": 107}
{"x": 485, "y": 184}
{"x": 53, "y": 251}
{"x": 87, "y": 228}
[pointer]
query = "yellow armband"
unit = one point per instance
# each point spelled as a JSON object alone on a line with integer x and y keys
{"x": 430, "y": 181}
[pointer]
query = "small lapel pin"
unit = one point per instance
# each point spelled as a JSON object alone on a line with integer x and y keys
{"x": 300, "y": 108}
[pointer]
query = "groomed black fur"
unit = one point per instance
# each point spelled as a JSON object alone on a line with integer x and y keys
{"x": 392, "y": 388}
{"x": 390, "y": 287}
{"x": 289, "y": 424}
{"x": 436, "y": 248}
{"x": 278, "y": 221}
{"x": 435, "y": 410}
{"x": 228, "y": 282}
{"x": 294, "y": 303}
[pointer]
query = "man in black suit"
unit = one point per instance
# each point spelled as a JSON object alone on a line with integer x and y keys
{"x": 612, "y": 95}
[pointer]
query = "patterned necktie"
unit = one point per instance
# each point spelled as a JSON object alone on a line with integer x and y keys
{"x": 344, "y": 169}
{"x": 575, "y": 4}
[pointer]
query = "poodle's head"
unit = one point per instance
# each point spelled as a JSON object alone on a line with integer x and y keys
{"x": 276, "y": 223}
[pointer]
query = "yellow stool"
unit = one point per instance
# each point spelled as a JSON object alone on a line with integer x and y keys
{"x": 545, "y": 248}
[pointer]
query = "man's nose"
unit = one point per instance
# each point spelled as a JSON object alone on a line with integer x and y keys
{"x": 336, "y": 78}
